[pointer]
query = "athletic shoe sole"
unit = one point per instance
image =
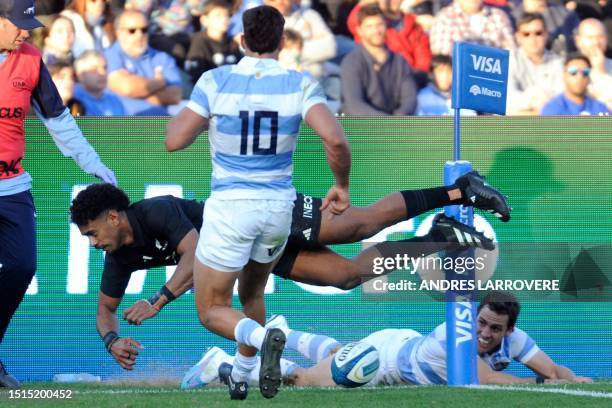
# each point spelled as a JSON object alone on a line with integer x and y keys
{"x": 270, "y": 371}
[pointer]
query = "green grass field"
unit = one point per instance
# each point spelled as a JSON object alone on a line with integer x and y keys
{"x": 168, "y": 396}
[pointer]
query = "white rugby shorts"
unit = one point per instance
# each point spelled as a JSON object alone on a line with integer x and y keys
{"x": 234, "y": 231}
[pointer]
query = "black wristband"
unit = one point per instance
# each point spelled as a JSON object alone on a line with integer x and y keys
{"x": 153, "y": 299}
{"x": 166, "y": 292}
{"x": 109, "y": 338}
{"x": 540, "y": 379}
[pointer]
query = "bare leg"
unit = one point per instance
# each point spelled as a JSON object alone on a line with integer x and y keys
{"x": 213, "y": 295}
{"x": 251, "y": 287}
{"x": 357, "y": 223}
{"x": 324, "y": 267}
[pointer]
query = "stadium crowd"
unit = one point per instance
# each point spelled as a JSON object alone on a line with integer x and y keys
{"x": 372, "y": 57}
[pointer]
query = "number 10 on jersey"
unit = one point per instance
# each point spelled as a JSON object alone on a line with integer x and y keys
{"x": 244, "y": 132}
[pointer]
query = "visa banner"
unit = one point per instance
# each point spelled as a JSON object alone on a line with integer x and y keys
{"x": 480, "y": 78}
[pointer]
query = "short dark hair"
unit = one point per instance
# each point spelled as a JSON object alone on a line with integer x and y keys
{"x": 527, "y": 18}
{"x": 263, "y": 29}
{"x": 439, "y": 60}
{"x": 96, "y": 199}
{"x": 56, "y": 67}
{"x": 573, "y": 56}
{"x": 503, "y": 303}
{"x": 369, "y": 10}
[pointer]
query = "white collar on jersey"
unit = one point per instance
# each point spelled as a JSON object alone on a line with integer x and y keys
{"x": 247, "y": 61}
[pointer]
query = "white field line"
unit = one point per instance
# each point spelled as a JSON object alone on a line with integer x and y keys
{"x": 141, "y": 390}
{"x": 545, "y": 390}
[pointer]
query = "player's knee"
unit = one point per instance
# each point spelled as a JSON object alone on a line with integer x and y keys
{"x": 348, "y": 278}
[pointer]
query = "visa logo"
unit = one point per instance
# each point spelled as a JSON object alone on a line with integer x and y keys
{"x": 484, "y": 64}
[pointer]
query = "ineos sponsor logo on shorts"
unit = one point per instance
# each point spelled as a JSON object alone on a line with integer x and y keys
{"x": 307, "y": 209}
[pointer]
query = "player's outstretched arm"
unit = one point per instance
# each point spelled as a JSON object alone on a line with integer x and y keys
{"x": 338, "y": 153}
{"x": 179, "y": 283}
{"x": 123, "y": 350}
{"x": 486, "y": 375}
{"x": 183, "y": 129}
{"x": 544, "y": 366}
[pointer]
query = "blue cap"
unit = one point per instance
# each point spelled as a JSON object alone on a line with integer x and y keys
{"x": 21, "y": 13}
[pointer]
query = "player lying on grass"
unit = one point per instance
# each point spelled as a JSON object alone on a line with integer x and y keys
{"x": 407, "y": 357}
{"x": 163, "y": 231}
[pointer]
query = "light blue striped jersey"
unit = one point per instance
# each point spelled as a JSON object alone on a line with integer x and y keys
{"x": 254, "y": 109}
{"x": 422, "y": 360}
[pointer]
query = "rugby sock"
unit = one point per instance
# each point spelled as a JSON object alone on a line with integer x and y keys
{"x": 249, "y": 332}
{"x": 287, "y": 368}
{"x": 243, "y": 366}
{"x": 420, "y": 201}
{"x": 312, "y": 346}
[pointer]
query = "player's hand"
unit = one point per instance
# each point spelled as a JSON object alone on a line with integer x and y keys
{"x": 337, "y": 199}
{"x": 105, "y": 174}
{"x": 124, "y": 351}
{"x": 139, "y": 312}
{"x": 582, "y": 380}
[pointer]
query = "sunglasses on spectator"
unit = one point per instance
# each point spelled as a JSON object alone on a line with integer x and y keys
{"x": 573, "y": 71}
{"x": 132, "y": 30}
{"x": 538, "y": 33}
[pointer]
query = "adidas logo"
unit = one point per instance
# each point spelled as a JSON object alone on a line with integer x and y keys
{"x": 30, "y": 10}
{"x": 307, "y": 232}
{"x": 473, "y": 198}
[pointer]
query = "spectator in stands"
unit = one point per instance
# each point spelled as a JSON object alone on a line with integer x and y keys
{"x": 171, "y": 28}
{"x": 536, "y": 74}
{"x": 560, "y": 22}
{"x": 93, "y": 25}
{"x": 46, "y": 12}
{"x": 575, "y": 100}
{"x": 319, "y": 42}
{"x": 62, "y": 75}
{"x": 470, "y": 20}
{"x": 147, "y": 80}
{"x": 91, "y": 90}
{"x": 290, "y": 56}
{"x": 591, "y": 41}
{"x": 59, "y": 42}
{"x": 435, "y": 98}
{"x": 403, "y": 35}
{"x": 375, "y": 80}
{"x": 212, "y": 47}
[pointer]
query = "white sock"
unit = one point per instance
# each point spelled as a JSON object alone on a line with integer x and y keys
{"x": 250, "y": 333}
{"x": 287, "y": 367}
{"x": 243, "y": 366}
{"x": 312, "y": 346}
